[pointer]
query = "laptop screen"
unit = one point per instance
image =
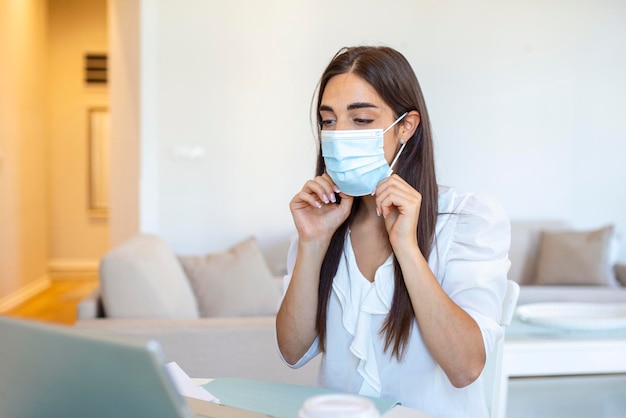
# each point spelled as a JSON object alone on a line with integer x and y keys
{"x": 54, "y": 371}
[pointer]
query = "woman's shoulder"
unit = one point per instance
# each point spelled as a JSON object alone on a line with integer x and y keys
{"x": 473, "y": 220}
{"x": 458, "y": 202}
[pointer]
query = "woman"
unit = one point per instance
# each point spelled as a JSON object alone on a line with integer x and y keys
{"x": 398, "y": 282}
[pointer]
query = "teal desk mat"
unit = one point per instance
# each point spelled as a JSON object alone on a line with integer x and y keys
{"x": 276, "y": 399}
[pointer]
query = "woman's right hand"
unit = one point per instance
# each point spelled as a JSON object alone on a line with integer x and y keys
{"x": 315, "y": 211}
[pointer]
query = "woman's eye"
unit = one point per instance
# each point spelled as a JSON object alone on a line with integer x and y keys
{"x": 327, "y": 122}
{"x": 360, "y": 121}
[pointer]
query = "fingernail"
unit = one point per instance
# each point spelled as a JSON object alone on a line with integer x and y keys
{"x": 332, "y": 198}
{"x": 373, "y": 192}
{"x": 377, "y": 212}
{"x": 318, "y": 204}
{"x": 337, "y": 190}
{"x": 325, "y": 198}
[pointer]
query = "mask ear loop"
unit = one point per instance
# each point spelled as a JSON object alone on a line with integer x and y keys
{"x": 393, "y": 163}
{"x": 394, "y": 124}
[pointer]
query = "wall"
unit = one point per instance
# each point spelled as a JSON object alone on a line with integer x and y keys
{"x": 77, "y": 240}
{"x": 124, "y": 38}
{"x": 23, "y": 202}
{"x": 526, "y": 101}
{"x": 45, "y": 229}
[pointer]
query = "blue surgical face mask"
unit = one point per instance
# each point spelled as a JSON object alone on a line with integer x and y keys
{"x": 355, "y": 159}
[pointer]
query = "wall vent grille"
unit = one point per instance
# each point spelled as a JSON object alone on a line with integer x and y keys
{"x": 96, "y": 69}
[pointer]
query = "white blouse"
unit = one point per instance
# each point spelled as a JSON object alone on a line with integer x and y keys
{"x": 470, "y": 260}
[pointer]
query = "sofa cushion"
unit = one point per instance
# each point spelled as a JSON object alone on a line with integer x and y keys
{"x": 525, "y": 237}
{"x": 576, "y": 258}
{"x": 620, "y": 273}
{"x": 142, "y": 279}
{"x": 236, "y": 282}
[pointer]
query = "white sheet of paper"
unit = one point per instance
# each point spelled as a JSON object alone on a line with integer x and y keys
{"x": 186, "y": 386}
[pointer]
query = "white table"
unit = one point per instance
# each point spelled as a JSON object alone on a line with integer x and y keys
{"x": 531, "y": 350}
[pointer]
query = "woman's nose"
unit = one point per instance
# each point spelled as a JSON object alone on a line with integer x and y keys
{"x": 342, "y": 124}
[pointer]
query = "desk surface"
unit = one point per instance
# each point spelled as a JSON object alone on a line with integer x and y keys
{"x": 398, "y": 411}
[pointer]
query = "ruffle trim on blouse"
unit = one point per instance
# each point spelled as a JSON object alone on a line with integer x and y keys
{"x": 360, "y": 299}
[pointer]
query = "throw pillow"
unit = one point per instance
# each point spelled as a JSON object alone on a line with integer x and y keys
{"x": 236, "y": 282}
{"x": 142, "y": 278}
{"x": 576, "y": 258}
{"x": 620, "y": 273}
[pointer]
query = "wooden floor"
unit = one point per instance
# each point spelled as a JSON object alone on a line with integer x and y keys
{"x": 58, "y": 303}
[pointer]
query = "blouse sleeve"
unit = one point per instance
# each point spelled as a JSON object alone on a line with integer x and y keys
{"x": 477, "y": 263}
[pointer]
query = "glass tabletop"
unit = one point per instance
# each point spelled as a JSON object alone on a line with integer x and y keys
{"x": 520, "y": 330}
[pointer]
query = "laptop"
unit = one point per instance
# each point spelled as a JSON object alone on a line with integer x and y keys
{"x": 54, "y": 371}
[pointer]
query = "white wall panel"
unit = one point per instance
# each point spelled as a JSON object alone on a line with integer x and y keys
{"x": 526, "y": 100}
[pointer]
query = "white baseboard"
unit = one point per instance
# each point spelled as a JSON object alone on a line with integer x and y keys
{"x": 73, "y": 268}
{"x": 22, "y": 295}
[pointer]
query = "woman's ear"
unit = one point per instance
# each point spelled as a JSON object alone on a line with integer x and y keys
{"x": 408, "y": 126}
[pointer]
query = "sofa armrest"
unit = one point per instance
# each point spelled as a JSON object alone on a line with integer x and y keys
{"x": 278, "y": 282}
{"x": 91, "y": 306}
{"x": 215, "y": 347}
{"x": 620, "y": 273}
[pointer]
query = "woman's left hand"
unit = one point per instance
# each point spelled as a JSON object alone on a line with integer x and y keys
{"x": 399, "y": 204}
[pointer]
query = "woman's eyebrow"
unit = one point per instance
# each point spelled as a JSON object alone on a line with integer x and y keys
{"x": 361, "y": 105}
{"x": 353, "y": 106}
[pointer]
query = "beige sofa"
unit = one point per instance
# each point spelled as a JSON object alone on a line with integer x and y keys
{"x": 554, "y": 263}
{"x": 146, "y": 290}
{"x": 212, "y": 314}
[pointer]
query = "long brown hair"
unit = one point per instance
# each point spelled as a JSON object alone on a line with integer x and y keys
{"x": 394, "y": 80}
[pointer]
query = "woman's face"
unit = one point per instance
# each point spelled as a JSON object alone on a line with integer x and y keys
{"x": 349, "y": 102}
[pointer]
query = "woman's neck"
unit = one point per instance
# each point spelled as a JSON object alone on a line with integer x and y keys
{"x": 367, "y": 213}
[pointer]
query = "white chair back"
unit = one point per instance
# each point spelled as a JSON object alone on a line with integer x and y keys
{"x": 495, "y": 381}
{"x": 509, "y": 303}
